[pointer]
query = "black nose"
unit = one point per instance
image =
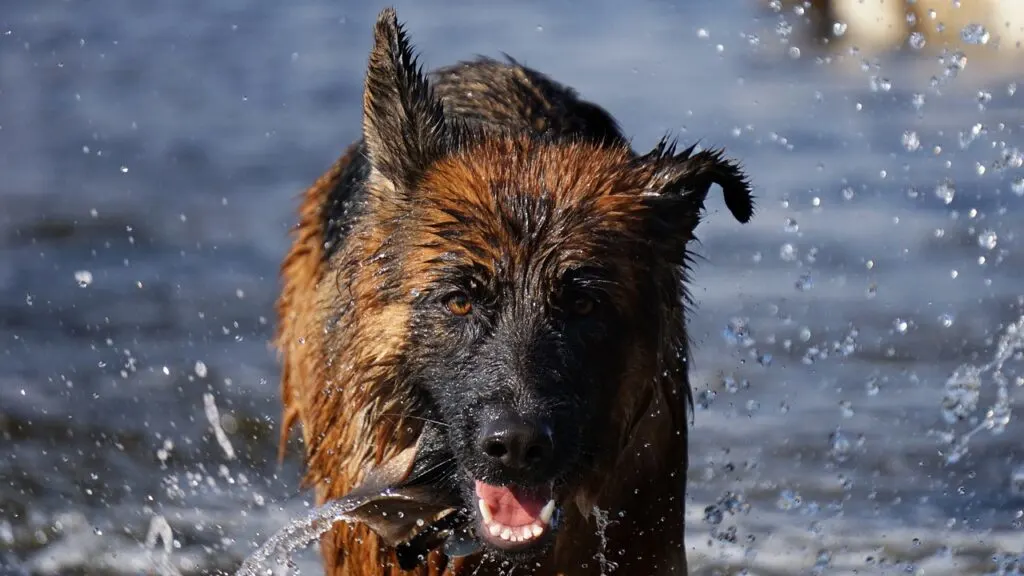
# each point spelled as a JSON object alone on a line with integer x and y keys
{"x": 516, "y": 442}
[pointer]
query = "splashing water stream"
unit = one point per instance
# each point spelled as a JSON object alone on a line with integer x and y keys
{"x": 160, "y": 533}
{"x": 963, "y": 389}
{"x": 296, "y": 535}
{"x": 603, "y": 521}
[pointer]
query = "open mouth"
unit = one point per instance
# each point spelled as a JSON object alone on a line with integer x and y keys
{"x": 415, "y": 503}
{"x": 514, "y": 517}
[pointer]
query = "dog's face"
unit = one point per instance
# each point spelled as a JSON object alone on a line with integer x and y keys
{"x": 537, "y": 277}
{"x": 532, "y": 302}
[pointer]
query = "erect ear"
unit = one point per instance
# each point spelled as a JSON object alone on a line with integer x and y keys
{"x": 680, "y": 184}
{"x": 403, "y": 123}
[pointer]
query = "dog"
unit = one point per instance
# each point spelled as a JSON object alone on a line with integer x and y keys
{"x": 482, "y": 316}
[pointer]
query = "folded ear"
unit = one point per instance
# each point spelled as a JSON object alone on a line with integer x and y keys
{"x": 680, "y": 184}
{"x": 403, "y": 123}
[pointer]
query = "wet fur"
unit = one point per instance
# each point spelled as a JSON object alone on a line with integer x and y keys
{"x": 492, "y": 170}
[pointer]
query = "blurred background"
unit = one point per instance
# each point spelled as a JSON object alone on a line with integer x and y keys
{"x": 858, "y": 345}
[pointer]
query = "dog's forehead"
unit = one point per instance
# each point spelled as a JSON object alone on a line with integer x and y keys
{"x": 543, "y": 210}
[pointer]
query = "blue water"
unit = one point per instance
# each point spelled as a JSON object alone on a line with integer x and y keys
{"x": 150, "y": 159}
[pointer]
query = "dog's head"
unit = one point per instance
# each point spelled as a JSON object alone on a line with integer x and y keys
{"x": 539, "y": 283}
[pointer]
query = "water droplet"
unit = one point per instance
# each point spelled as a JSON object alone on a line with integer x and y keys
{"x": 788, "y": 500}
{"x": 988, "y": 239}
{"x": 83, "y": 278}
{"x": 871, "y": 387}
{"x": 706, "y": 398}
{"x": 916, "y": 40}
{"x": 974, "y": 34}
{"x": 945, "y": 191}
{"x": 839, "y": 446}
{"x": 124, "y": 169}
{"x": 200, "y": 369}
{"x": 961, "y": 393}
{"x": 955, "y": 63}
{"x": 880, "y": 84}
{"x": 946, "y": 320}
{"x": 900, "y": 325}
{"x": 846, "y": 409}
{"x": 910, "y": 141}
{"x": 737, "y": 333}
{"x": 713, "y": 515}
{"x": 1017, "y": 481}
{"x": 788, "y": 252}
{"x": 805, "y": 282}
{"x": 703, "y": 33}
{"x": 838, "y": 29}
{"x": 1018, "y": 186}
{"x": 791, "y": 226}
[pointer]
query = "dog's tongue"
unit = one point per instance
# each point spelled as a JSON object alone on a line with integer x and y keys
{"x": 510, "y": 505}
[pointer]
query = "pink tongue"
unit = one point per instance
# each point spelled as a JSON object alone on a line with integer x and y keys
{"x": 510, "y": 505}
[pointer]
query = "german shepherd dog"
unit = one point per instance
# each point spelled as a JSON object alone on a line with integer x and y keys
{"x": 482, "y": 313}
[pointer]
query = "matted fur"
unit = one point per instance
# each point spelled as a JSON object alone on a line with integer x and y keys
{"x": 499, "y": 168}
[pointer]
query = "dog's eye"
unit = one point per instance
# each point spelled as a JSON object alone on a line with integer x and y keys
{"x": 458, "y": 303}
{"x": 580, "y": 304}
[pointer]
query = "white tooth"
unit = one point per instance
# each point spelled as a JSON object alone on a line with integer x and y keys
{"x": 494, "y": 529}
{"x": 536, "y": 530}
{"x": 527, "y": 533}
{"x": 485, "y": 511}
{"x": 547, "y": 511}
{"x": 506, "y": 534}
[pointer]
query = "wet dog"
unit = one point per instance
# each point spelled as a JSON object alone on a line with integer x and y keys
{"x": 482, "y": 319}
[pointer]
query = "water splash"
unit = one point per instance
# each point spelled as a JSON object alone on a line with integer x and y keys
{"x": 160, "y": 533}
{"x": 213, "y": 415}
{"x": 963, "y": 390}
{"x": 975, "y": 34}
{"x": 83, "y": 278}
{"x": 603, "y": 521}
{"x": 294, "y": 536}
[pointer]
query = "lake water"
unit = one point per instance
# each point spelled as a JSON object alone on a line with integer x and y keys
{"x": 151, "y": 155}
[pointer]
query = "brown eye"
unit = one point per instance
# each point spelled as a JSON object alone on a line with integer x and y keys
{"x": 581, "y": 304}
{"x": 458, "y": 303}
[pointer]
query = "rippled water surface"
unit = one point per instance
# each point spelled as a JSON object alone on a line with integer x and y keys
{"x": 150, "y": 158}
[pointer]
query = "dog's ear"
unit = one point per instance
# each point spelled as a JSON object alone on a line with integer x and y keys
{"x": 403, "y": 123}
{"x": 680, "y": 184}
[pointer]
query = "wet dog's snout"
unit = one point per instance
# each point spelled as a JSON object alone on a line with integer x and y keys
{"x": 516, "y": 442}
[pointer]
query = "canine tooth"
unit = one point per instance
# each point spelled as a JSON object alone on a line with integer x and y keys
{"x": 494, "y": 529}
{"x": 547, "y": 511}
{"x": 485, "y": 511}
{"x": 536, "y": 530}
{"x": 506, "y": 533}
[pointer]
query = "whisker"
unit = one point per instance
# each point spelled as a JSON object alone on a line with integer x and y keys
{"x": 414, "y": 417}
